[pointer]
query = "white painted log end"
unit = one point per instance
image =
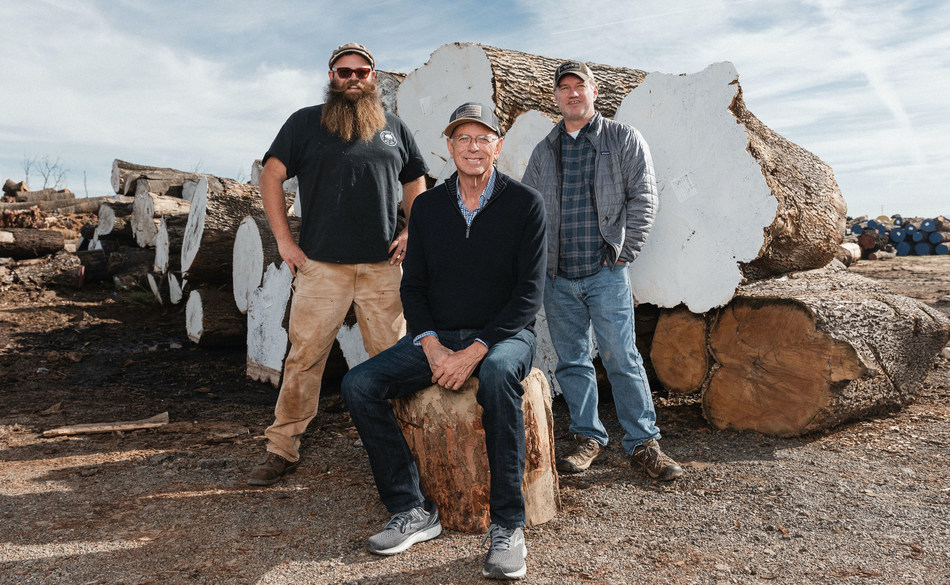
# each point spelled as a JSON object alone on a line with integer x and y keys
{"x": 454, "y": 74}
{"x": 528, "y": 130}
{"x": 266, "y": 336}
{"x": 706, "y": 179}
{"x": 194, "y": 317}
{"x": 247, "y": 264}
{"x": 351, "y": 344}
{"x": 194, "y": 228}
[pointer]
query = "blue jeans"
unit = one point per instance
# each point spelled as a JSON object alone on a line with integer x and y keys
{"x": 605, "y": 301}
{"x": 403, "y": 370}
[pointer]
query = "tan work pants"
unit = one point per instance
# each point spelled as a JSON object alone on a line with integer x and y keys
{"x": 323, "y": 293}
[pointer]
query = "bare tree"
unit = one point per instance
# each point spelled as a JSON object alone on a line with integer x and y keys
{"x": 52, "y": 171}
{"x": 29, "y": 161}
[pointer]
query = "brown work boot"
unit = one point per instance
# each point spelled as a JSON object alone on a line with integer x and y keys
{"x": 269, "y": 471}
{"x": 585, "y": 452}
{"x": 657, "y": 463}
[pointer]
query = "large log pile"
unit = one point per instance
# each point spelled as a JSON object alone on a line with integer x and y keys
{"x": 716, "y": 165}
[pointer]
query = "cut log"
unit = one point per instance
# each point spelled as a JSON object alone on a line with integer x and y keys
{"x": 149, "y": 208}
{"x": 212, "y": 321}
{"x": 113, "y": 221}
{"x": 45, "y": 195}
{"x": 528, "y": 129}
{"x": 849, "y": 253}
{"x": 163, "y": 181}
{"x": 716, "y": 165}
{"x": 678, "y": 352}
{"x": 254, "y": 248}
{"x": 88, "y": 205}
{"x": 20, "y": 243}
{"x": 217, "y": 210}
{"x": 266, "y": 332}
{"x": 388, "y": 83}
{"x": 101, "y": 265}
{"x": 289, "y": 187}
{"x": 175, "y": 292}
{"x": 815, "y": 350}
{"x": 158, "y": 284}
{"x": 511, "y": 81}
{"x": 444, "y": 432}
{"x": 11, "y": 188}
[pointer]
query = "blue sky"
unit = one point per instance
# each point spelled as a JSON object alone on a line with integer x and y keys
{"x": 206, "y": 85}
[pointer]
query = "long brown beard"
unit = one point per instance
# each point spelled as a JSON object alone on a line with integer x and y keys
{"x": 350, "y": 118}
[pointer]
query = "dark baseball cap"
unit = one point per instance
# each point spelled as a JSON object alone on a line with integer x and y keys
{"x": 578, "y": 68}
{"x": 352, "y": 48}
{"x": 472, "y": 112}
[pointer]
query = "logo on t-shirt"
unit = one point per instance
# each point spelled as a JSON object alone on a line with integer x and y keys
{"x": 388, "y": 138}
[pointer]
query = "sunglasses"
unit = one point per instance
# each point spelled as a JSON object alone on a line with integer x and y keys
{"x": 347, "y": 72}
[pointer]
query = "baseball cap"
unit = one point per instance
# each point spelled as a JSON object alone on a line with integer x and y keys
{"x": 578, "y": 68}
{"x": 472, "y": 112}
{"x": 352, "y": 48}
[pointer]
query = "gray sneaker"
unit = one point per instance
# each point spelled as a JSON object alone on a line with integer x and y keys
{"x": 406, "y": 529}
{"x": 506, "y": 554}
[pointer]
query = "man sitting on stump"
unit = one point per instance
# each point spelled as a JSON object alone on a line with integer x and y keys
{"x": 472, "y": 285}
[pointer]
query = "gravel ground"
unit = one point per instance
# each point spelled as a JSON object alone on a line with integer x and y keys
{"x": 867, "y": 503}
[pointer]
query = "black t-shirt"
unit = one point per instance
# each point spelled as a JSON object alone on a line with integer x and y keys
{"x": 349, "y": 191}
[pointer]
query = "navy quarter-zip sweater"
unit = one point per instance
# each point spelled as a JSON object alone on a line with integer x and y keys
{"x": 489, "y": 276}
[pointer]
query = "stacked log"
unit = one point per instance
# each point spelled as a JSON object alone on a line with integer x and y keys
{"x": 801, "y": 353}
{"x": 162, "y": 181}
{"x": 904, "y": 236}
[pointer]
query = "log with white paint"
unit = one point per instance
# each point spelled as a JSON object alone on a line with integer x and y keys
{"x": 114, "y": 219}
{"x": 510, "y": 81}
{"x": 254, "y": 248}
{"x": 212, "y": 321}
{"x": 717, "y": 165}
{"x": 148, "y": 208}
{"x": 267, "y": 337}
{"x": 217, "y": 209}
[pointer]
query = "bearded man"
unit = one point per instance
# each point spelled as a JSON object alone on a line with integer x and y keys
{"x": 350, "y": 158}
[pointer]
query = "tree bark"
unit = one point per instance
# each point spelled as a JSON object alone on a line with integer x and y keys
{"x": 45, "y": 195}
{"x": 20, "y": 244}
{"x": 444, "y": 431}
{"x": 87, "y": 205}
{"x": 816, "y": 350}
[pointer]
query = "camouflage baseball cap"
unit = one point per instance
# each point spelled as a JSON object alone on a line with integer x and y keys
{"x": 352, "y": 48}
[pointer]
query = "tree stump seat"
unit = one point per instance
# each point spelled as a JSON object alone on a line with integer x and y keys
{"x": 444, "y": 431}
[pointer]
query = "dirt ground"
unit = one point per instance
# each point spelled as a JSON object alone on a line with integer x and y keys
{"x": 867, "y": 503}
